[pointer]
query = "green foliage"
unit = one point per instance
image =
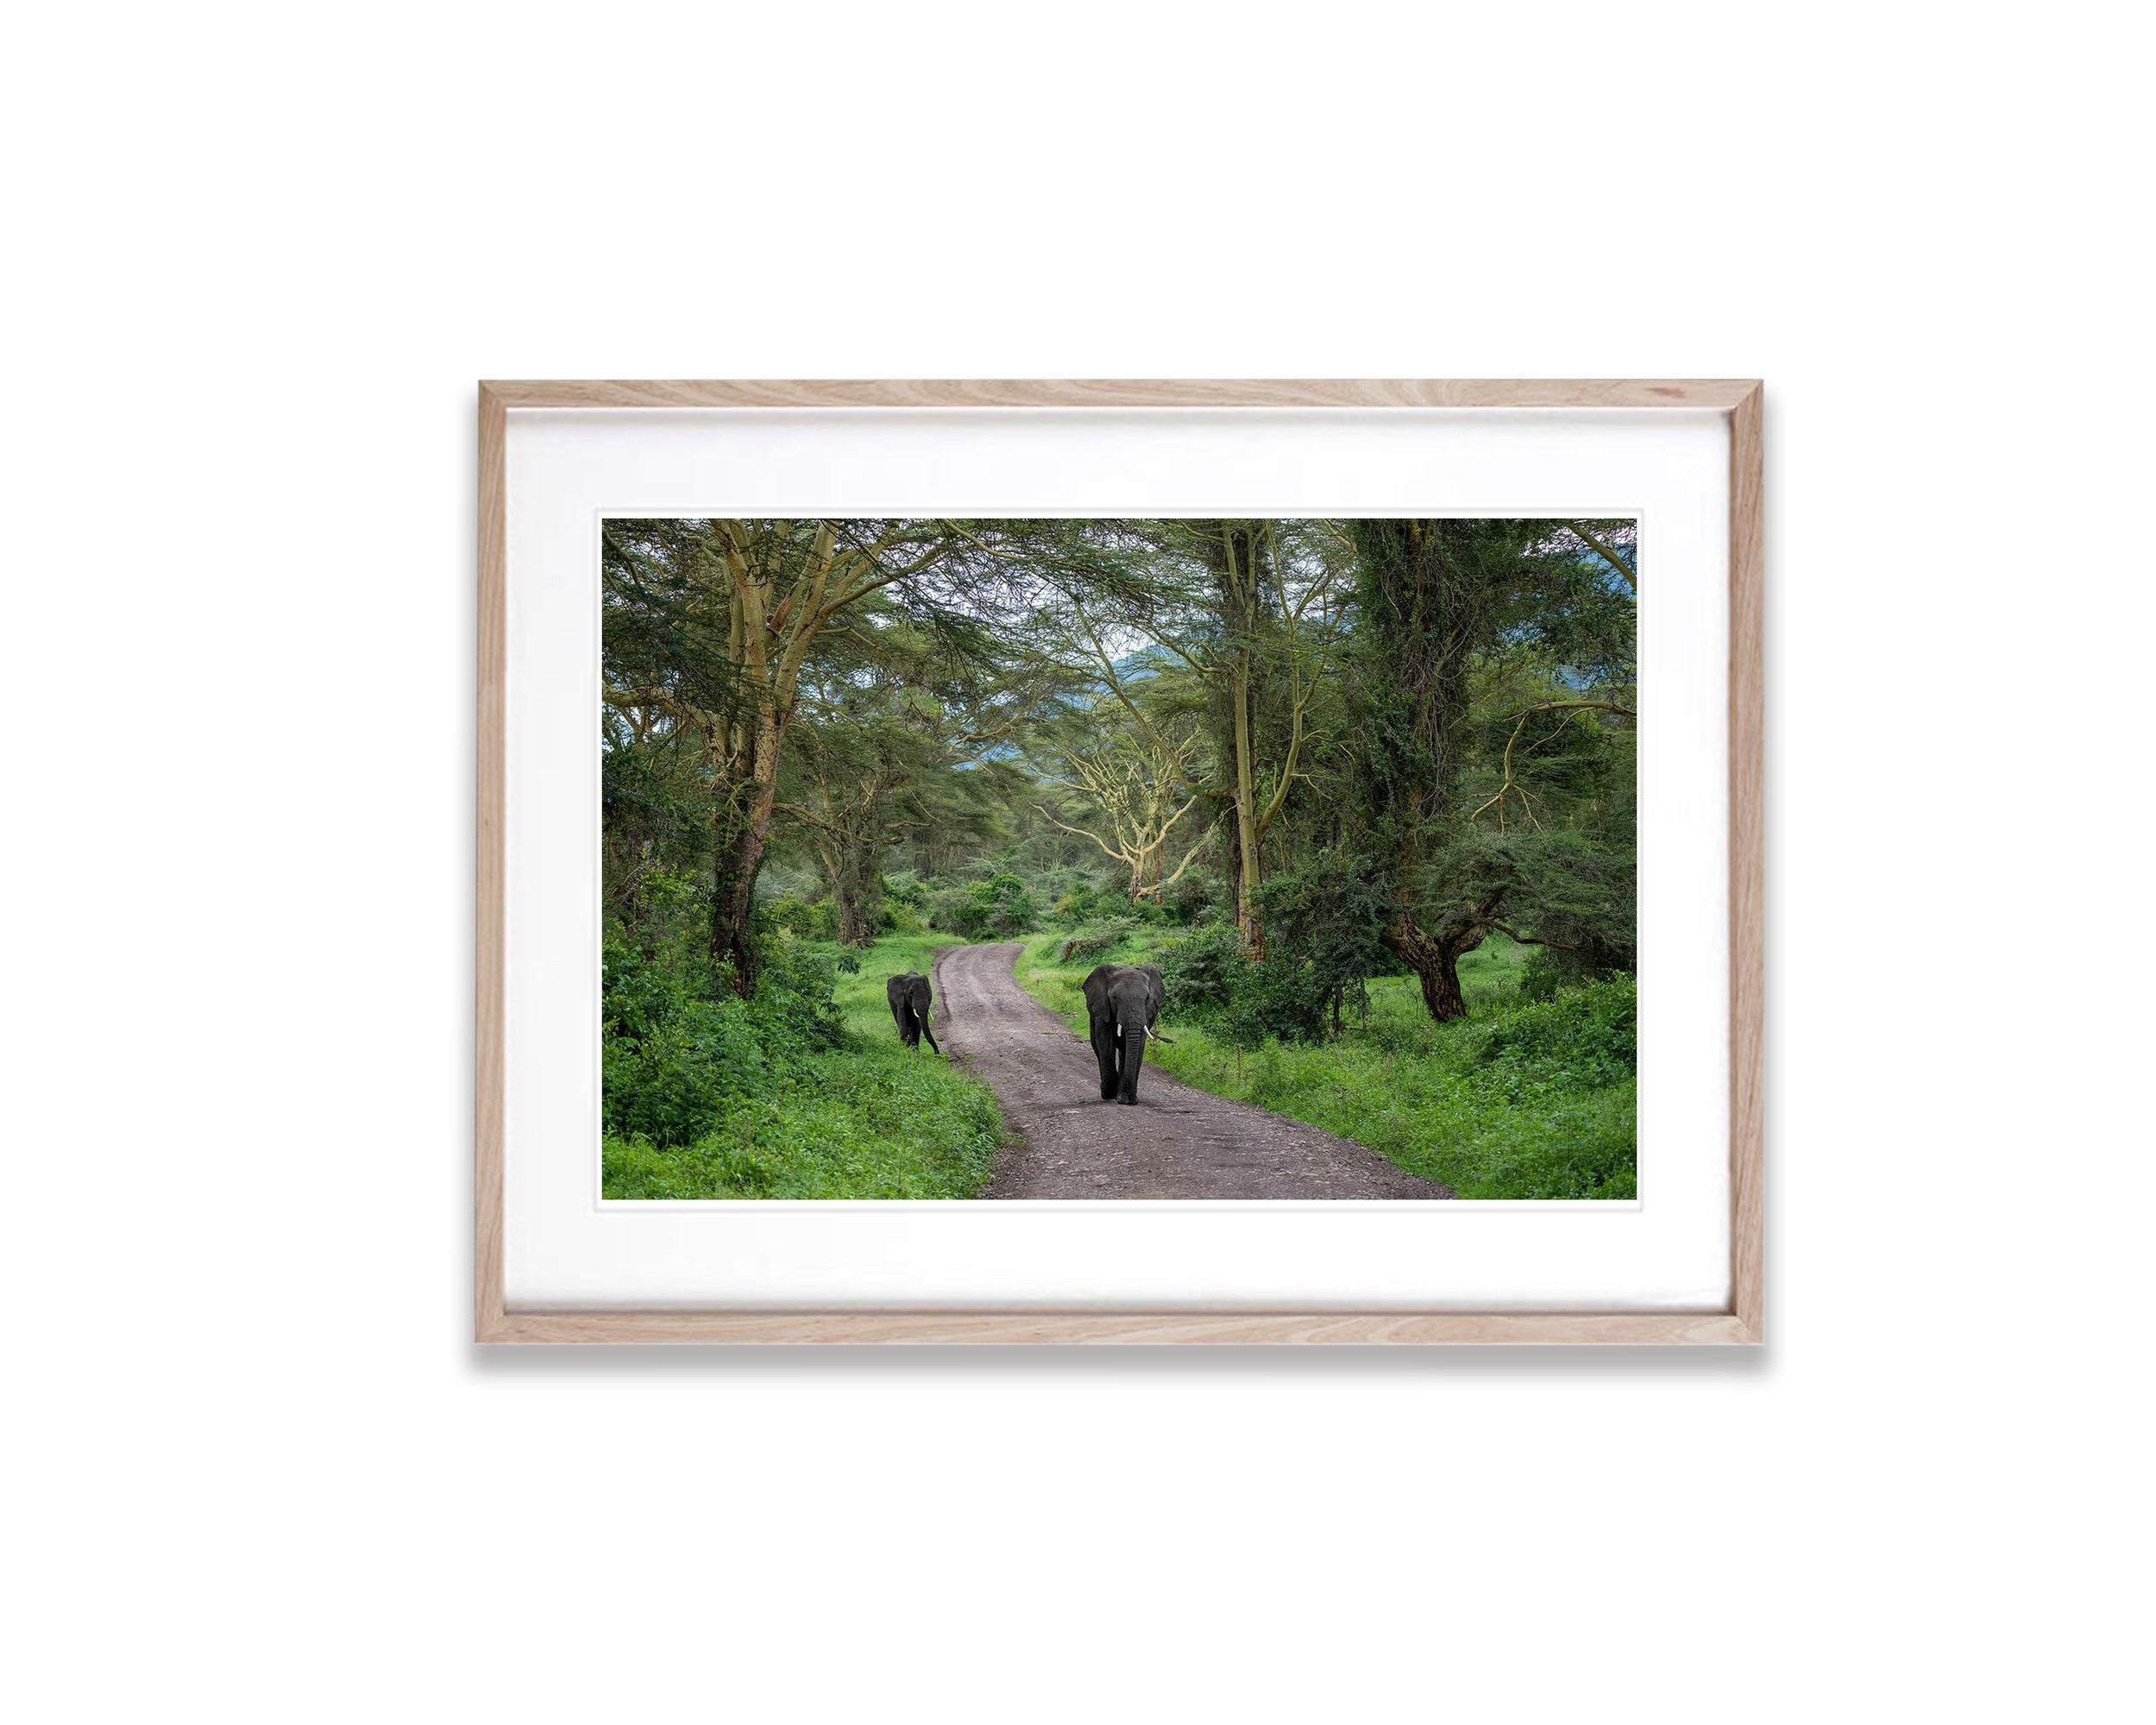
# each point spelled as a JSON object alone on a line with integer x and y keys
{"x": 1321, "y": 923}
{"x": 1451, "y": 730}
{"x": 1521, "y": 1101}
{"x": 997, "y": 908}
{"x": 1202, "y": 969}
{"x": 678, "y": 1045}
{"x": 856, "y": 1115}
{"x": 1583, "y": 1038}
{"x": 1197, "y": 894}
{"x": 1096, "y": 942}
{"x": 807, "y": 921}
{"x": 670, "y": 1057}
{"x": 1575, "y": 896}
{"x": 793, "y": 1007}
{"x": 869, "y": 1122}
{"x": 1541, "y": 976}
{"x": 1584, "y": 907}
{"x": 1082, "y": 903}
{"x": 1277, "y": 998}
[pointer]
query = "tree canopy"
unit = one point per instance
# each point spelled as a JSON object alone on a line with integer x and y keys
{"x": 1359, "y": 744}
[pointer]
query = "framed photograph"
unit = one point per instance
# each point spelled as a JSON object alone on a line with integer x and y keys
{"x": 1093, "y": 861}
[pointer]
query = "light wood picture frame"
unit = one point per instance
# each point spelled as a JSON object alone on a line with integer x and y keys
{"x": 1738, "y": 400}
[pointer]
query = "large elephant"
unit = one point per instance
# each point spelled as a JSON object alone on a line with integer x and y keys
{"x": 1121, "y": 1002}
{"x": 907, "y": 992}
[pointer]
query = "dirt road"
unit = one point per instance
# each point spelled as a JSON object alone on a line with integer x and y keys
{"x": 1177, "y": 1143}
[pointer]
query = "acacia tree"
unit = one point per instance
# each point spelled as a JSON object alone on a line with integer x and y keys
{"x": 710, "y": 625}
{"x": 1439, "y": 599}
{"x": 1139, "y": 783}
{"x": 1249, "y": 608}
{"x": 652, "y": 819}
{"x": 895, "y": 736}
{"x": 849, "y": 770}
{"x": 1612, "y": 544}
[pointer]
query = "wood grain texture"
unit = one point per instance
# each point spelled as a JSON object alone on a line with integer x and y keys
{"x": 491, "y": 951}
{"x": 1356, "y": 1329}
{"x": 1747, "y": 865}
{"x": 1717, "y": 393}
{"x": 1743, "y": 1323}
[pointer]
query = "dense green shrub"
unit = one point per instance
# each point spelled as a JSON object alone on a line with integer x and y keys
{"x": 1539, "y": 978}
{"x": 1075, "y": 908}
{"x": 1197, "y": 894}
{"x": 997, "y": 908}
{"x": 816, "y": 922}
{"x": 1321, "y": 925}
{"x": 794, "y": 1010}
{"x": 670, "y": 1054}
{"x": 678, "y": 1046}
{"x": 1210, "y": 976}
{"x": 1280, "y": 996}
{"x": 1200, "y": 968}
{"x": 1092, "y": 943}
{"x": 1322, "y": 922}
{"x": 1584, "y": 1038}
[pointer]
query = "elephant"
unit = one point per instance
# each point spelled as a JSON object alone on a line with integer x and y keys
{"x": 1121, "y": 1002}
{"x": 907, "y": 992}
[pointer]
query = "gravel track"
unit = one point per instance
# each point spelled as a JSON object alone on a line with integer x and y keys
{"x": 1176, "y": 1142}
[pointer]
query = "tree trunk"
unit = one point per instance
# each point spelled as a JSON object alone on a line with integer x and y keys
{"x": 1247, "y": 874}
{"x": 850, "y": 884}
{"x": 738, "y": 857}
{"x": 1435, "y": 961}
{"x": 1232, "y": 550}
{"x": 1231, "y": 866}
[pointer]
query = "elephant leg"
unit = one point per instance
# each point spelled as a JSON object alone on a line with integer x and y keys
{"x": 1104, "y": 1052}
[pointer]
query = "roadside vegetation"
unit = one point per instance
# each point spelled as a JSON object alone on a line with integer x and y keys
{"x": 1525, "y": 1097}
{"x": 802, "y": 1092}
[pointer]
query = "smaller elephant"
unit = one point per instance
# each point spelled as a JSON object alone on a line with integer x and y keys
{"x": 907, "y": 992}
{"x": 1121, "y": 1002}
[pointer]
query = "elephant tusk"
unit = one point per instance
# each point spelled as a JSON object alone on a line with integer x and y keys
{"x": 1153, "y": 1035}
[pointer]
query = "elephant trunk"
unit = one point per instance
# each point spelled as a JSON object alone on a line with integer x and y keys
{"x": 1133, "y": 1039}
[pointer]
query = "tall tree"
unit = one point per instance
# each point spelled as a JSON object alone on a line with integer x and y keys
{"x": 711, "y": 623}
{"x": 1250, "y": 608}
{"x": 896, "y": 735}
{"x": 1437, "y": 600}
{"x": 1139, "y": 784}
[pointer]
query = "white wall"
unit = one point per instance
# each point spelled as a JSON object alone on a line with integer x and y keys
{"x": 260, "y": 255}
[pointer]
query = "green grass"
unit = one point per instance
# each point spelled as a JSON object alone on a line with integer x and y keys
{"x": 872, "y": 1118}
{"x": 1519, "y": 1100}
